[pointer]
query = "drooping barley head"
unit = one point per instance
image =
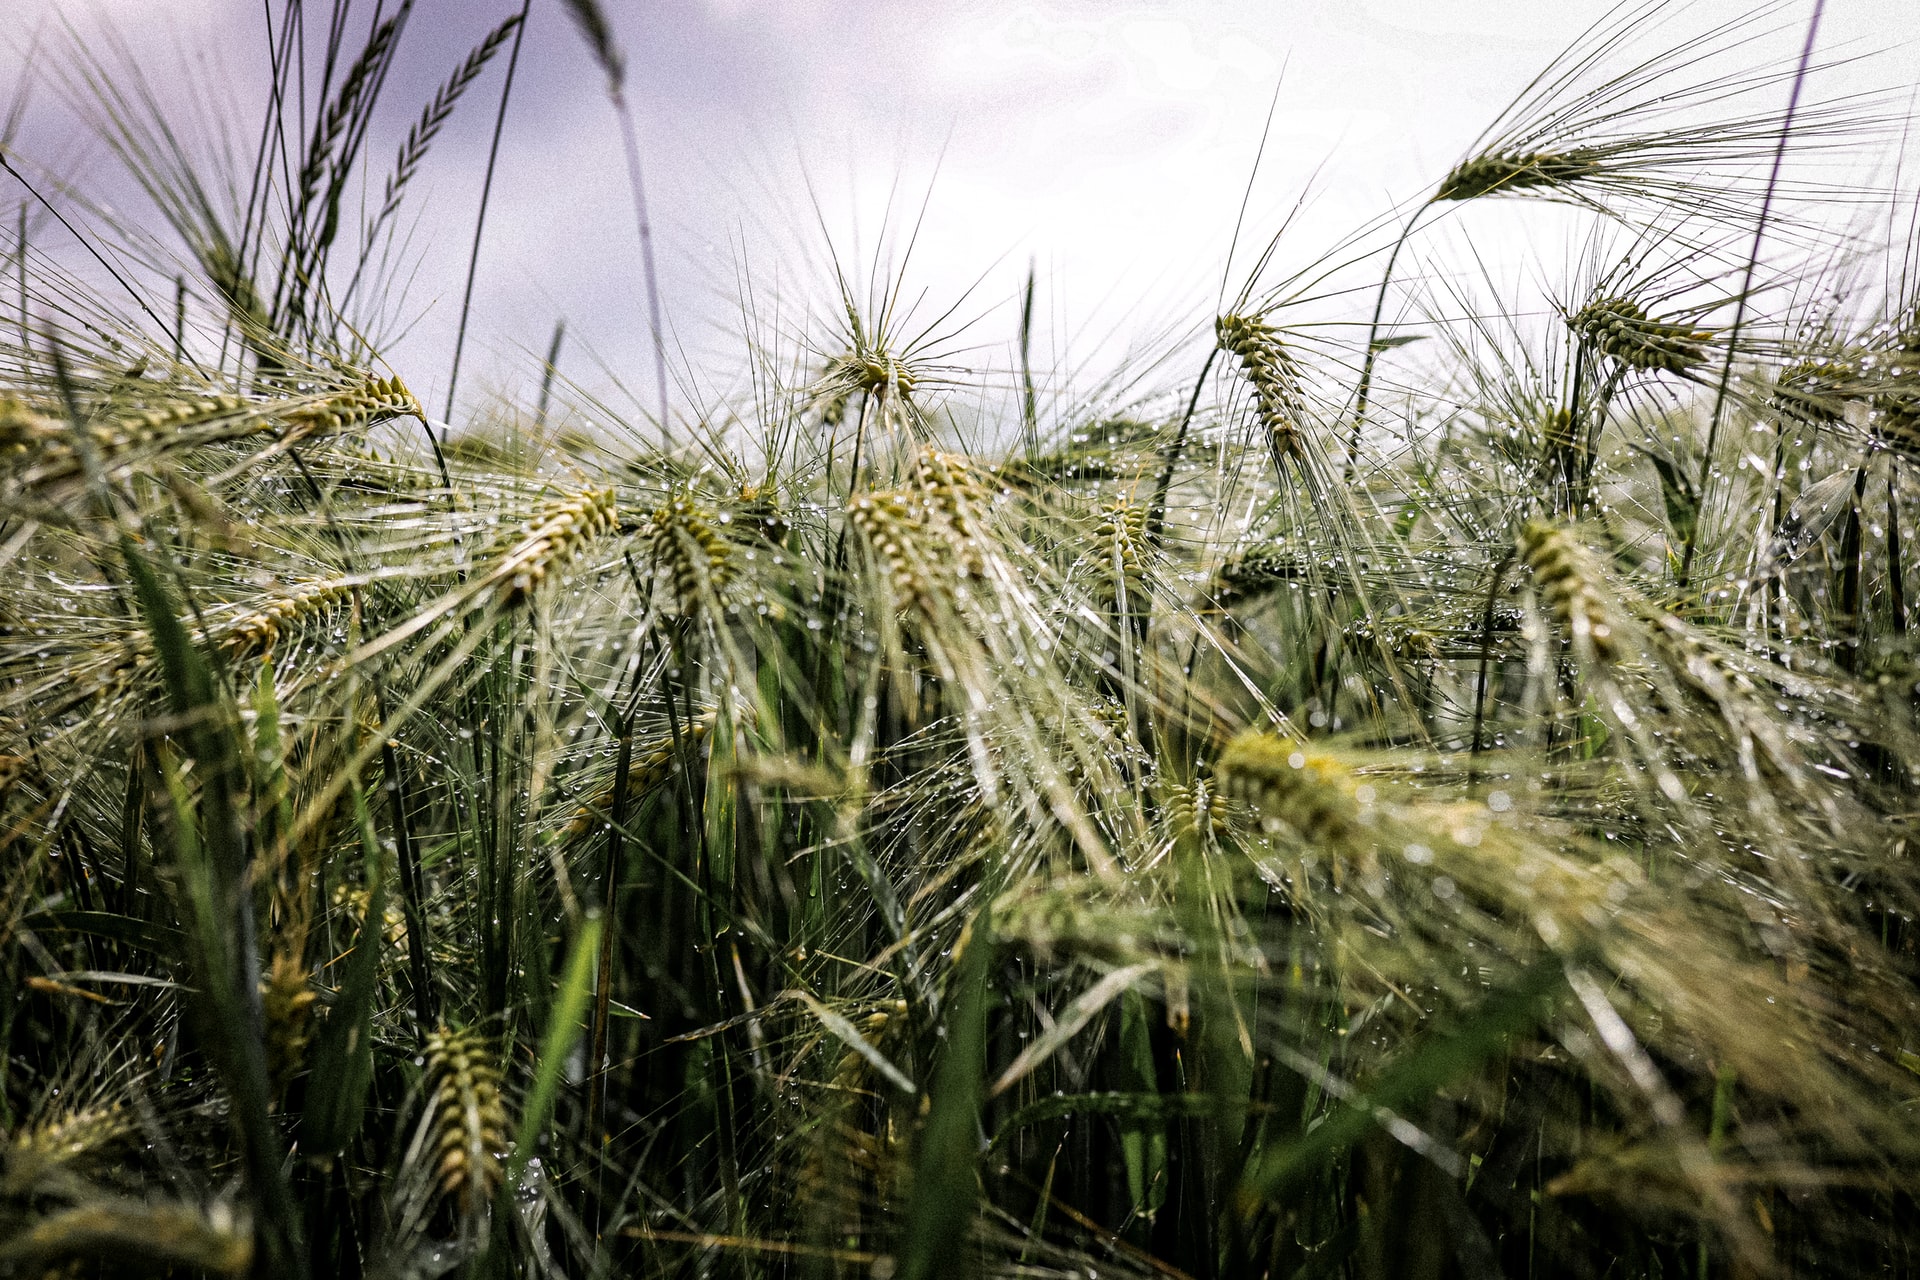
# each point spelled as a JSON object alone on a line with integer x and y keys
{"x": 1619, "y": 328}
{"x": 468, "y": 1114}
{"x": 1500, "y": 173}
{"x": 549, "y": 540}
{"x": 1273, "y": 373}
{"x": 1559, "y": 565}
{"x": 259, "y": 631}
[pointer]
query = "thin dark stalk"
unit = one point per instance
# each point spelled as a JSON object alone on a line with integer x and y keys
{"x": 1746, "y": 291}
{"x": 1157, "y": 512}
{"x": 1851, "y": 614}
{"x": 486, "y": 191}
{"x": 1486, "y": 651}
{"x": 630, "y": 140}
{"x": 1029, "y": 416}
{"x": 546, "y": 375}
{"x": 179, "y": 318}
{"x": 1365, "y": 389}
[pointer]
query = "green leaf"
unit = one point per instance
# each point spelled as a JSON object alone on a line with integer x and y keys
{"x": 946, "y": 1182}
{"x": 563, "y": 1029}
{"x": 343, "y": 1062}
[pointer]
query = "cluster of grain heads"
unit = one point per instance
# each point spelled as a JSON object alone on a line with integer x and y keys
{"x": 1619, "y": 328}
{"x": 467, "y": 1115}
{"x": 925, "y": 535}
{"x": 1560, "y": 568}
{"x": 692, "y": 554}
{"x": 1501, "y": 172}
{"x": 555, "y": 534}
{"x": 1273, "y": 373}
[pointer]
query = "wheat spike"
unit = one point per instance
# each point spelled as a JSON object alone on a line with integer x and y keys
{"x": 1558, "y": 564}
{"x": 202, "y": 420}
{"x": 434, "y": 115}
{"x": 1813, "y": 391}
{"x": 73, "y": 1135}
{"x": 1289, "y": 782}
{"x": 869, "y": 370}
{"x": 1121, "y": 539}
{"x": 120, "y": 1234}
{"x": 910, "y": 533}
{"x": 23, "y": 429}
{"x": 694, "y": 556}
{"x": 955, "y": 498}
{"x": 1253, "y": 572}
{"x": 549, "y": 540}
{"x": 287, "y": 999}
{"x": 1618, "y": 327}
{"x": 468, "y": 1114}
{"x": 1896, "y": 403}
{"x": 1273, "y": 374}
{"x": 1197, "y": 810}
{"x": 258, "y": 632}
{"x": 373, "y": 400}
{"x": 1496, "y": 173}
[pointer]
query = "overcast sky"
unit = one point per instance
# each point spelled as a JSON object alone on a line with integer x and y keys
{"x": 1108, "y": 142}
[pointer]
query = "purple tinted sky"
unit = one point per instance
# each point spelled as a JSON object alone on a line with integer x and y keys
{"x": 1108, "y": 141}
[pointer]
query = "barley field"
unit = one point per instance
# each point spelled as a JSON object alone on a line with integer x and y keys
{"x": 1413, "y": 778}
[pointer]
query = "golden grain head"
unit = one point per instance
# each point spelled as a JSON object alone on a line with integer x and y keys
{"x": 1288, "y": 782}
{"x": 552, "y": 538}
{"x": 1559, "y": 565}
{"x": 467, "y": 1113}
